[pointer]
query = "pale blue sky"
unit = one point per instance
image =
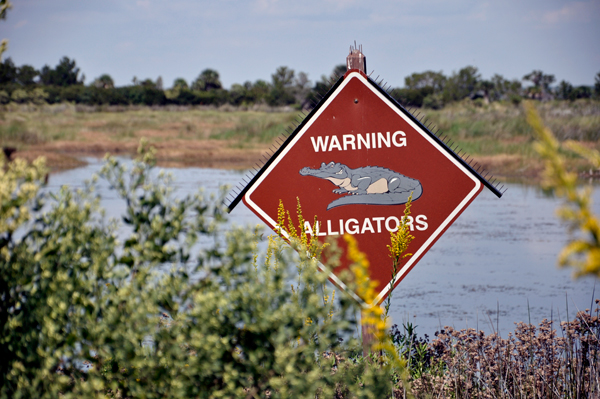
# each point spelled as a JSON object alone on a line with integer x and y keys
{"x": 248, "y": 40}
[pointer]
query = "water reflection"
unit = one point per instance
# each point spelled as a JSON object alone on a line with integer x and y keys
{"x": 495, "y": 266}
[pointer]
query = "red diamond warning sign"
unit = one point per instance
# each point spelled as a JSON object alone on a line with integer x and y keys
{"x": 353, "y": 163}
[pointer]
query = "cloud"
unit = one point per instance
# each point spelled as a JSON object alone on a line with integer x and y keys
{"x": 579, "y": 11}
{"x": 20, "y": 24}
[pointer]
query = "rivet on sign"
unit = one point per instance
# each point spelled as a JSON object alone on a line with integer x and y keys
{"x": 356, "y": 101}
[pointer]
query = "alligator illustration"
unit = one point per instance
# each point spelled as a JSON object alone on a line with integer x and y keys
{"x": 369, "y": 185}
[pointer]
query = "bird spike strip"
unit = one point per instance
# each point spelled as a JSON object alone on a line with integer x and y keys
{"x": 266, "y": 159}
{"x": 416, "y": 116}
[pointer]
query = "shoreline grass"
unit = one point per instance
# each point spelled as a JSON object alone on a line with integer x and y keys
{"x": 496, "y": 135}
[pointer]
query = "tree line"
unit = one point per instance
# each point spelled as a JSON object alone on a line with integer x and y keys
{"x": 430, "y": 89}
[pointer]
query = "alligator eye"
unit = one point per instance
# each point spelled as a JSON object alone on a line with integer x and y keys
{"x": 339, "y": 173}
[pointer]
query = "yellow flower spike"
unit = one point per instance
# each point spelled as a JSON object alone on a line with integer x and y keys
{"x": 401, "y": 239}
{"x": 303, "y": 235}
{"x": 272, "y": 248}
{"x": 365, "y": 287}
{"x": 280, "y": 217}
{"x": 399, "y": 242}
{"x": 291, "y": 228}
{"x": 372, "y": 316}
{"x": 309, "y": 245}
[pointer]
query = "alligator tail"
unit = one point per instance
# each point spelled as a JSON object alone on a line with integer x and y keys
{"x": 377, "y": 199}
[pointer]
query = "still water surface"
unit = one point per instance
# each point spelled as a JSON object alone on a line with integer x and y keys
{"x": 495, "y": 266}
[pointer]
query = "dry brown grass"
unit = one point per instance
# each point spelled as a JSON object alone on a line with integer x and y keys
{"x": 496, "y": 136}
{"x": 195, "y": 137}
{"x": 532, "y": 362}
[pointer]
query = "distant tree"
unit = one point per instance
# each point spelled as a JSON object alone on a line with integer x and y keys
{"x": 485, "y": 88}
{"x": 207, "y": 80}
{"x": 26, "y": 75}
{"x": 421, "y": 89}
{"x": 322, "y": 86}
{"x": 260, "y": 90}
{"x": 180, "y": 83}
{"x": 282, "y": 92}
{"x": 159, "y": 83}
{"x": 257, "y": 92}
{"x": 145, "y": 92}
{"x": 435, "y": 80}
{"x": 8, "y": 71}
{"x": 541, "y": 85}
{"x": 283, "y": 77}
{"x": 539, "y": 78}
{"x": 148, "y": 83}
{"x": 500, "y": 87}
{"x": 302, "y": 89}
{"x": 597, "y": 86}
{"x": 564, "y": 90}
{"x": 66, "y": 73}
{"x": 338, "y": 71}
{"x": 11, "y": 74}
{"x": 237, "y": 94}
{"x": 414, "y": 97}
{"x": 505, "y": 89}
{"x": 302, "y": 81}
{"x": 582, "y": 92}
{"x": 468, "y": 77}
{"x": 104, "y": 81}
{"x": 460, "y": 85}
{"x": 249, "y": 93}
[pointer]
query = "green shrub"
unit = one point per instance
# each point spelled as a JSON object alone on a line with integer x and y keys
{"x": 20, "y": 96}
{"x": 39, "y": 96}
{"x": 175, "y": 308}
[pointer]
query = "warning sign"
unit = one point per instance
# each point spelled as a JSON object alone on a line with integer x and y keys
{"x": 353, "y": 163}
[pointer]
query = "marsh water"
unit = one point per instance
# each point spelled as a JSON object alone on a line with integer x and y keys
{"x": 495, "y": 266}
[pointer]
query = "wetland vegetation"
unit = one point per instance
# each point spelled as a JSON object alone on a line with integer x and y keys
{"x": 496, "y": 135}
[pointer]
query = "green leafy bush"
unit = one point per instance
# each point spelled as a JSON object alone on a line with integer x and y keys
{"x": 176, "y": 308}
{"x": 20, "y": 96}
